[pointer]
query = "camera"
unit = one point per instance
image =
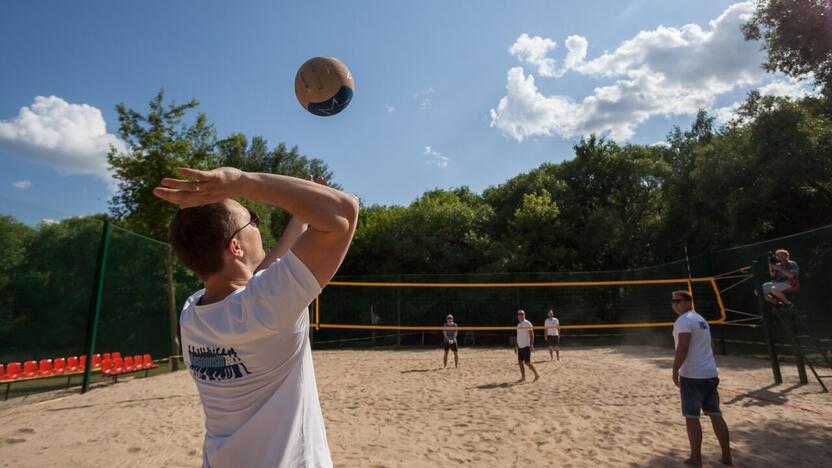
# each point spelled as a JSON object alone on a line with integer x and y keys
{"x": 772, "y": 259}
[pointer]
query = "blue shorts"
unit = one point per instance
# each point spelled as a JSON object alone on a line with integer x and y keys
{"x": 699, "y": 395}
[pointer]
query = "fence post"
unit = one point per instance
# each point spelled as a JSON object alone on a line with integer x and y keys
{"x": 95, "y": 304}
{"x": 399, "y": 312}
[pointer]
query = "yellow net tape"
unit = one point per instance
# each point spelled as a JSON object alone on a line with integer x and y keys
{"x": 712, "y": 280}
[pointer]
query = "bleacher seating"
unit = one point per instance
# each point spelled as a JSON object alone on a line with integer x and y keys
{"x": 111, "y": 364}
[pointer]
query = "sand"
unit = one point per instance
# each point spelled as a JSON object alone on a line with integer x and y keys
{"x": 597, "y": 407}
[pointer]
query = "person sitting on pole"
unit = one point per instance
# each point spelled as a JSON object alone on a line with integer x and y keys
{"x": 784, "y": 273}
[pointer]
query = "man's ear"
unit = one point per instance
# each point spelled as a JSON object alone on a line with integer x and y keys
{"x": 234, "y": 248}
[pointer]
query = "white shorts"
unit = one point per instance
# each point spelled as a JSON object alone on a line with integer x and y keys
{"x": 780, "y": 286}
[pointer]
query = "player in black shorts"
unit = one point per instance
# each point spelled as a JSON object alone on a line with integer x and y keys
{"x": 525, "y": 345}
{"x": 449, "y": 333}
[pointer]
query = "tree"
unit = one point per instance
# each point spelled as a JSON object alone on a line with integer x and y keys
{"x": 796, "y": 35}
{"x": 235, "y": 151}
{"x": 158, "y": 143}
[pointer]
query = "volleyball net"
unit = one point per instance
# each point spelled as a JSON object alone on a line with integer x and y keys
{"x": 410, "y": 310}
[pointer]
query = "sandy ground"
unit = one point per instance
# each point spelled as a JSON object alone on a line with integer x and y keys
{"x": 596, "y": 407}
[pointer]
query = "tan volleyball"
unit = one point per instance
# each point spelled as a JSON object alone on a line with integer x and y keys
{"x": 324, "y": 86}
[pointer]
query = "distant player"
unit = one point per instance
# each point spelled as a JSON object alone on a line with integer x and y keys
{"x": 553, "y": 334}
{"x": 449, "y": 334}
{"x": 525, "y": 345}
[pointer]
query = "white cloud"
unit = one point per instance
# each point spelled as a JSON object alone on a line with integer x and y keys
{"x": 22, "y": 184}
{"x": 423, "y": 97}
{"x": 435, "y": 158}
{"x": 533, "y": 51}
{"x": 787, "y": 87}
{"x": 389, "y": 108}
{"x": 666, "y": 71}
{"x": 791, "y": 88}
{"x": 577, "y": 46}
{"x": 49, "y": 221}
{"x": 72, "y": 138}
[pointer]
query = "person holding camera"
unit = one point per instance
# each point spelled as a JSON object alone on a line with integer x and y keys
{"x": 784, "y": 273}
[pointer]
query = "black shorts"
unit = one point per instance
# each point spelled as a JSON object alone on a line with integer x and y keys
{"x": 553, "y": 340}
{"x": 699, "y": 395}
{"x": 524, "y": 354}
{"x": 451, "y": 346}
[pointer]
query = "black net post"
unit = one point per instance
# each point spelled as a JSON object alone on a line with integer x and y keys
{"x": 95, "y": 305}
{"x": 768, "y": 322}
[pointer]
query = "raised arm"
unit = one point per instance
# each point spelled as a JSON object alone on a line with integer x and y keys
{"x": 331, "y": 215}
{"x": 290, "y": 235}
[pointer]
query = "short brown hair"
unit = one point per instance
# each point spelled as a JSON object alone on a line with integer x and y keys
{"x": 684, "y": 294}
{"x": 197, "y": 235}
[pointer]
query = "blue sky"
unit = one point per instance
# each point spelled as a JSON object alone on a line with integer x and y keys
{"x": 447, "y": 93}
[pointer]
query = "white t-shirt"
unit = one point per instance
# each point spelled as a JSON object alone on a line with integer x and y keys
{"x": 249, "y": 355}
{"x": 552, "y": 322}
{"x": 523, "y": 329}
{"x": 700, "y": 362}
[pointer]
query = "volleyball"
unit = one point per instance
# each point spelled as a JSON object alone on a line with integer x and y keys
{"x": 324, "y": 86}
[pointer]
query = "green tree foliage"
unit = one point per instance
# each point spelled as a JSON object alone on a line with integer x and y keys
{"x": 236, "y": 151}
{"x": 158, "y": 143}
{"x": 797, "y": 37}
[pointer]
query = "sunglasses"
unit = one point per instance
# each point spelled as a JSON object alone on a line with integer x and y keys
{"x": 254, "y": 221}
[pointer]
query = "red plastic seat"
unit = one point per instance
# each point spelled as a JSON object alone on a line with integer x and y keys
{"x": 2, "y": 372}
{"x": 83, "y": 363}
{"x": 118, "y": 365}
{"x": 96, "y": 361}
{"x": 58, "y": 365}
{"x": 106, "y": 356}
{"x": 137, "y": 361}
{"x": 30, "y": 369}
{"x": 72, "y": 364}
{"x": 107, "y": 366}
{"x": 129, "y": 366}
{"x": 147, "y": 362}
{"x": 116, "y": 356}
{"x": 45, "y": 367}
{"x": 13, "y": 370}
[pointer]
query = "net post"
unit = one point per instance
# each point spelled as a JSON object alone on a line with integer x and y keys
{"x": 95, "y": 304}
{"x": 768, "y": 323}
{"x": 399, "y": 312}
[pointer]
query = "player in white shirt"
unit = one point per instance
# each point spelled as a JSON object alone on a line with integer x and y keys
{"x": 245, "y": 336}
{"x": 525, "y": 345}
{"x": 449, "y": 336}
{"x": 552, "y": 334}
{"x": 695, "y": 373}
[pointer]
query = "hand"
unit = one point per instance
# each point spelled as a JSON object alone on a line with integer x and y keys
{"x": 531, "y": 348}
{"x": 676, "y": 377}
{"x": 209, "y": 187}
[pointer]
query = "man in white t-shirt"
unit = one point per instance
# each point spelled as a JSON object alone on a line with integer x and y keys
{"x": 552, "y": 327}
{"x": 694, "y": 372}
{"x": 245, "y": 336}
{"x": 449, "y": 332}
{"x": 525, "y": 345}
